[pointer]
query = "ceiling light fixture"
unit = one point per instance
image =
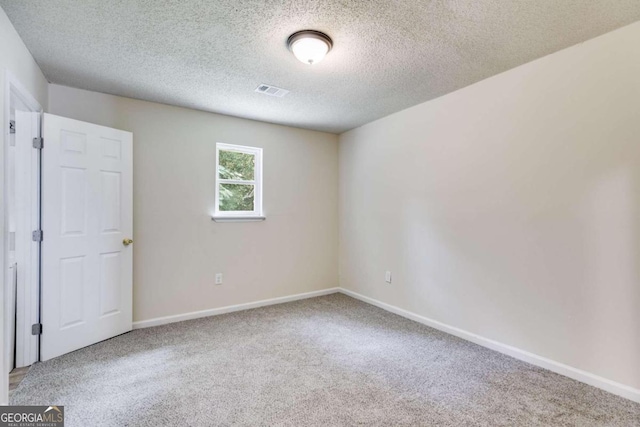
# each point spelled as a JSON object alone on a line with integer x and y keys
{"x": 309, "y": 46}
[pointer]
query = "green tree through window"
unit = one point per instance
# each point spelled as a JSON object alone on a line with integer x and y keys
{"x": 234, "y": 165}
{"x": 238, "y": 182}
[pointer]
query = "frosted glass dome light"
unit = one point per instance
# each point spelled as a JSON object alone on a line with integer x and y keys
{"x": 309, "y": 46}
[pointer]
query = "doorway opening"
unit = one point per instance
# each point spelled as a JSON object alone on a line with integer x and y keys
{"x": 22, "y": 223}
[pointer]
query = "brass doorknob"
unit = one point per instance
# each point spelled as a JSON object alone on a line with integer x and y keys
{"x": 127, "y": 242}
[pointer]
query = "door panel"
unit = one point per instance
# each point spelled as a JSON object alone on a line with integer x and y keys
{"x": 73, "y": 206}
{"x": 86, "y": 215}
{"x": 110, "y": 273}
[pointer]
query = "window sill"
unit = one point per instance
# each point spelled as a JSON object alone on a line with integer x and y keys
{"x": 238, "y": 218}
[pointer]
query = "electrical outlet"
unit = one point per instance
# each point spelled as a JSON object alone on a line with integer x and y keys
{"x": 387, "y": 276}
{"x": 218, "y": 278}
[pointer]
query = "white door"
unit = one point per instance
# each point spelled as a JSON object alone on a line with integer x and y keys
{"x": 87, "y": 223}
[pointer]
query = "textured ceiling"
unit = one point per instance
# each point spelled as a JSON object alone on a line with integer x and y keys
{"x": 387, "y": 56}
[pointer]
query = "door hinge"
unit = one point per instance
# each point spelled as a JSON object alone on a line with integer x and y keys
{"x": 12, "y": 126}
{"x": 37, "y": 236}
{"x": 36, "y": 329}
{"x": 38, "y": 143}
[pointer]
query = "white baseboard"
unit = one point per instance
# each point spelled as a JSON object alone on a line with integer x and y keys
{"x": 228, "y": 309}
{"x": 557, "y": 367}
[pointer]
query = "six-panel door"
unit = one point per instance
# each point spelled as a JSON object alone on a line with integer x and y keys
{"x": 86, "y": 216}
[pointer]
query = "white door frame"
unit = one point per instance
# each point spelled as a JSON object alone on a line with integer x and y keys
{"x": 27, "y": 219}
{"x": 26, "y": 344}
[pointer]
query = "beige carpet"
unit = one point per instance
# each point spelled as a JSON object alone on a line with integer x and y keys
{"x": 327, "y": 361}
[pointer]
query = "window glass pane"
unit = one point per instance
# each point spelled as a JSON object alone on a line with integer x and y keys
{"x": 236, "y": 197}
{"x": 234, "y": 165}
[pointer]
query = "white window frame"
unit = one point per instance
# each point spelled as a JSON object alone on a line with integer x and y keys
{"x": 256, "y": 213}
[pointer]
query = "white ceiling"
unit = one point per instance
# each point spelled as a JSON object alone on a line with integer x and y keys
{"x": 387, "y": 56}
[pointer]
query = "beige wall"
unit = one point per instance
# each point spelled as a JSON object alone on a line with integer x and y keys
{"x": 510, "y": 208}
{"x": 16, "y": 59}
{"x": 178, "y": 248}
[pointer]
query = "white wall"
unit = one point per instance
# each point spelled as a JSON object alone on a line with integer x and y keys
{"x": 16, "y": 59}
{"x": 177, "y": 247}
{"x": 510, "y": 208}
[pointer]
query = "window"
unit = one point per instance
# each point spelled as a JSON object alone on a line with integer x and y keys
{"x": 238, "y": 182}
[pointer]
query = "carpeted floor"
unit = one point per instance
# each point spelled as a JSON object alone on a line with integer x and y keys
{"x": 327, "y": 361}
